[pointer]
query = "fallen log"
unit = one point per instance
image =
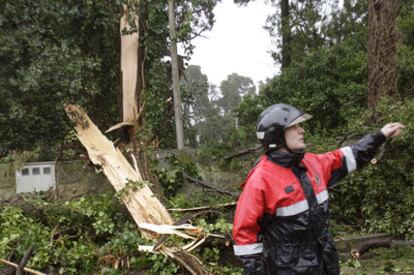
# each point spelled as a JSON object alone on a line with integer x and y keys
{"x": 211, "y": 187}
{"x": 344, "y": 245}
{"x": 356, "y": 247}
{"x": 364, "y": 247}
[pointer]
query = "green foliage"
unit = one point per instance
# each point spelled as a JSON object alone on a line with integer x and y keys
{"x": 211, "y": 120}
{"x": 193, "y": 17}
{"x": 380, "y": 197}
{"x": 330, "y": 86}
{"x": 162, "y": 265}
{"x": 84, "y": 235}
{"x": 54, "y": 52}
{"x": 60, "y": 234}
{"x": 398, "y": 260}
{"x": 198, "y": 109}
{"x": 233, "y": 89}
{"x": 172, "y": 178}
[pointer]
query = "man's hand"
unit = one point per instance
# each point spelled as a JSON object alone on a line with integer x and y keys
{"x": 392, "y": 129}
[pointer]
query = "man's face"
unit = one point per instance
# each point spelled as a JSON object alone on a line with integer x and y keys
{"x": 294, "y": 137}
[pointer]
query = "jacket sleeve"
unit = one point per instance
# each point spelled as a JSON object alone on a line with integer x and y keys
{"x": 246, "y": 229}
{"x": 337, "y": 164}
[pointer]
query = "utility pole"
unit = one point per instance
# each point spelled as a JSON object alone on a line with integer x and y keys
{"x": 175, "y": 77}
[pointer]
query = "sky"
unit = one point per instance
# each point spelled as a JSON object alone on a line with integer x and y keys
{"x": 236, "y": 44}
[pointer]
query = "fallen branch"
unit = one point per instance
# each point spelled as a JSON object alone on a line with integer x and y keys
{"x": 23, "y": 261}
{"x": 29, "y": 270}
{"x": 244, "y": 152}
{"x": 363, "y": 247}
{"x": 186, "y": 231}
{"x": 183, "y": 220}
{"x": 202, "y": 207}
{"x": 211, "y": 187}
{"x": 188, "y": 261}
{"x": 345, "y": 245}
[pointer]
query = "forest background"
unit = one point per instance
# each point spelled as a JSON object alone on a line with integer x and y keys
{"x": 57, "y": 52}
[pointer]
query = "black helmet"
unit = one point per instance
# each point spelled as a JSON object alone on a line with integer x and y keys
{"x": 274, "y": 120}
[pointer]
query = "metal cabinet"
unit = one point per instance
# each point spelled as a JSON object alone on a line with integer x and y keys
{"x": 36, "y": 176}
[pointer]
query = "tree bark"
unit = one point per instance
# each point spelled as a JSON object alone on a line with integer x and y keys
{"x": 133, "y": 81}
{"x": 286, "y": 33}
{"x": 383, "y": 36}
{"x": 175, "y": 77}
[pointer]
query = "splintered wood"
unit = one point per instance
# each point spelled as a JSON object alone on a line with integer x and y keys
{"x": 142, "y": 204}
{"x": 129, "y": 66}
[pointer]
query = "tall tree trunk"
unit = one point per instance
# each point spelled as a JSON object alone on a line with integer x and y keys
{"x": 130, "y": 79}
{"x": 175, "y": 77}
{"x": 286, "y": 33}
{"x": 383, "y": 36}
{"x": 133, "y": 81}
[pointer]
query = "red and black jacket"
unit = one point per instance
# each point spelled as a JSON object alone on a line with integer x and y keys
{"x": 281, "y": 219}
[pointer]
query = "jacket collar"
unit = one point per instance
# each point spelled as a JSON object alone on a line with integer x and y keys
{"x": 285, "y": 159}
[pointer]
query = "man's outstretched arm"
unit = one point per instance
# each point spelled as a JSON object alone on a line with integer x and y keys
{"x": 337, "y": 164}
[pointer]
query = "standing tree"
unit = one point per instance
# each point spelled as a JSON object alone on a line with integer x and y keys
{"x": 297, "y": 27}
{"x": 192, "y": 19}
{"x": 383, "y": 36}
{"x": 175, "y": 77}
{"x": 196, "y": 103}
{"x": 286, "y": 33}
{"x": 233, "y": 89}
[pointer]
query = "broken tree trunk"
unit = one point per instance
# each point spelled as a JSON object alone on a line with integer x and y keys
{"x": 132, "y": 70}
{"x": 143, "y": 206}
{"x": 129, "y": 67}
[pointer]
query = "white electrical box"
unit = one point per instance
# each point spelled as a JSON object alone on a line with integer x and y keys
{"x": 35, "y": 176}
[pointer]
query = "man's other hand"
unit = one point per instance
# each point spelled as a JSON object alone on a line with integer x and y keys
{"x": 392, "y": 129}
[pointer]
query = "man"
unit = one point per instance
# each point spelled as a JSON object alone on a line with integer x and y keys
{"x": 281, "y": 220}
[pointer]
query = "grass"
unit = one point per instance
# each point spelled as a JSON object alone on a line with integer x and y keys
{"x": 397, "y": 260}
